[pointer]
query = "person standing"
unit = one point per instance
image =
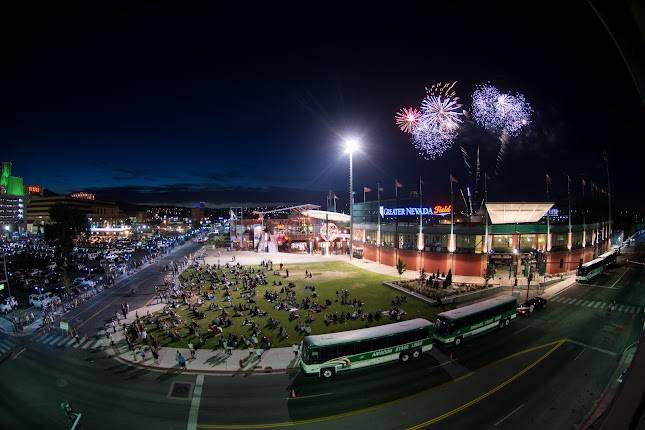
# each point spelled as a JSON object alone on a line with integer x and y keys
{"x": 191, "y": 348}
{"x": 181, "y": 360}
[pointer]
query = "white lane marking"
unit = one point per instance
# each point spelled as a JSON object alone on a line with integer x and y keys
{"x": 509, "y": 415}
{"x": 48, "y": 339}
{"x": 53, "y": 340}
{"x": 39, "y": 337}
{"x": 60, "y": 342}
{"x": 23, "y": 349}
{"x": 579, "y": 354}
{"x": 619, "y": 278}
{"x": 194, "y": 403}
{"x": 4, "y": 347}
{"x": 308, "y": 397}
{"x": 595, "y": 348}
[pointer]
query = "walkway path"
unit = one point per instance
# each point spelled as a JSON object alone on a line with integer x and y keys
{"x": 218, "y": 361}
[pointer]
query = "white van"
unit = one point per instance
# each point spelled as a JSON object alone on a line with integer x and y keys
{"x": 40, "y": 300}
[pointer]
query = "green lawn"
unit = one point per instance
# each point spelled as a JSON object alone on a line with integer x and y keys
{"x": 328, "y": 277}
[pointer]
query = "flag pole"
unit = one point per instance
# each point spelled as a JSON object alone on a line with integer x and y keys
{"x": 378, "y": 226}
{"x": 420, "y": 240}
{"x": 548, "y": 225}
{"x": 452, "y": 215}
{"x": 569, "y": 244}
{"x": 485, "y": 213}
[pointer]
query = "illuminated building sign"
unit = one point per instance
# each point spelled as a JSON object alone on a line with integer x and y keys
{"x": 82, "y": 195}
{"x": 440, "y": 210}
{"x": 34, "y": 189}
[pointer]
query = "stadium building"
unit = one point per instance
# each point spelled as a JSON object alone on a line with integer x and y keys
{"x": 503, "y": 239}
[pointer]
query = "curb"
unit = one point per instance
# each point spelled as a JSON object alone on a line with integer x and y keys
{"x": 197, "y": 371}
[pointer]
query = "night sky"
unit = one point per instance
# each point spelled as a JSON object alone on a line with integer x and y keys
{"x": 178, "y": 107}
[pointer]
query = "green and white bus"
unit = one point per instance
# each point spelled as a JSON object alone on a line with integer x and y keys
{"x": 456, "y": 325}
{"x": 327, "y": 354}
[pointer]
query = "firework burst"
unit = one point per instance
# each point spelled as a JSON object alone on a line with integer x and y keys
{"x": 407, "y": 119}
{"x": 497, "y": 111}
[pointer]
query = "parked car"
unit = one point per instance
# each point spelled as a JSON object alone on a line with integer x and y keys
{"x": 41, "y": 300}
{"x": 8, "y": 304}
{"x": 529, "y": 306}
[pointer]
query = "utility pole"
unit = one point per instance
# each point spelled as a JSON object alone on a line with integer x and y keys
{"x": 6, "y": 276}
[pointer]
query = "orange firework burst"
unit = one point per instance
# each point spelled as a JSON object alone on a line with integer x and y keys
{"x": 407, "y": 119}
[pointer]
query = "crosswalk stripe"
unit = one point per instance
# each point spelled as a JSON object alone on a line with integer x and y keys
{"x": 630, "y": 309}
{"x": 39, "y": 337}
{"x": 4, "y": 348}
{"x": 51, "y": 340}
{"x": 597, "y": 304}
{"x": 582, "y": 302}
{"x": 97, "y": 343}
{"x": 557, "y": 299}
{"x": 578, "y": 302}
{"x": 88, "y": 342}
{"x": 60, "y": 342}
{"x": 69, "y": 342}
{"x": 566, "y": 300}
{"x": 603, "y": 305}
{"x": 79, "y": 343}
{"x": 621, "y": 308}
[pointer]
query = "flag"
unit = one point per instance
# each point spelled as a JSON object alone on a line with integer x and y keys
{"x": 548, "y": 179}
{"x": 453, "y": 179}
{"x": 367, "y": 190}
{"x": 397, "y": 184}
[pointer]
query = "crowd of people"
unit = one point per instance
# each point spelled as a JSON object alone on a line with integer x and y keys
{"x": 227, "y": 295}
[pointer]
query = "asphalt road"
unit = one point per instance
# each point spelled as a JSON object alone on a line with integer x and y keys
{"x": 93, "y": 314}
{"x": 553, "y": 382}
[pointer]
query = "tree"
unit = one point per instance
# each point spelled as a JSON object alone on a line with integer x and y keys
{"x": 65, "y": 224}
{"x": 448, "y": 280}
{"x": 422, "y": 275}
{"x": 400, "y": 267}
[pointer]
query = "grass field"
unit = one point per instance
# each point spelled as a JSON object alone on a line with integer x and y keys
{"x": 328, "y": 277}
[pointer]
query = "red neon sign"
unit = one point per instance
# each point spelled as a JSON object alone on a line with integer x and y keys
{"x": 442, "y": 209}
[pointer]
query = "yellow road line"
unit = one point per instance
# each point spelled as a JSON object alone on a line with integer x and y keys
{"x": 488, "y": 393}
{"x": 555, "y": 345}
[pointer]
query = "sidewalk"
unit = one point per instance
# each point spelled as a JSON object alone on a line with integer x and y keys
{"x": 7, "y": 327}
{"x": 206, "y": 360}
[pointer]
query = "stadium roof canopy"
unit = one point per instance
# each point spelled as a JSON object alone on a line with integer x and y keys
{"x": 326, "y": 215}
{"x": 517, "y": 213}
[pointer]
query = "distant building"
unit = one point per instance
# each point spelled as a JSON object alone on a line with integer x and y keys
{"x": 198, "y": 212}
{"x": 12, "y": 199}
{"x": 38, "y": 213}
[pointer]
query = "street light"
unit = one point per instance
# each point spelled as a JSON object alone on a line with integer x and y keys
{"x": 351, "y": 145}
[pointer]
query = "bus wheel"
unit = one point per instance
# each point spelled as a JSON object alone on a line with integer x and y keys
{"x": 507, "y": 322}
{"x": 458, "y": 341}
{"x": 327, "y": 372}
{"x": 416, "y": 353}
{"x": 404, "y": 357}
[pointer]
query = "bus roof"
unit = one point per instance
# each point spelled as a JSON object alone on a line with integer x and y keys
{"x": 476, "y": 307}
{"x": 599, "y": 258}
{"x": 366, "y": 333}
